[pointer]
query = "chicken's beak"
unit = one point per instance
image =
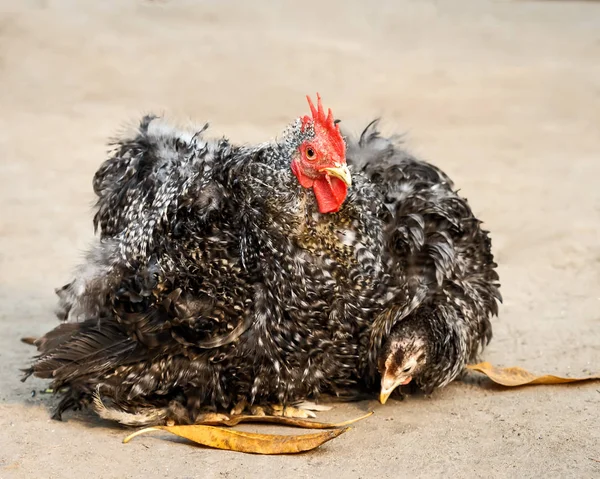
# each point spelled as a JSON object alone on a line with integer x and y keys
{"x": 342, "y": 172}
{"x": 388, "y": 384}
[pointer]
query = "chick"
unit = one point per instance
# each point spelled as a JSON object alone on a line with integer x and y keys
{"x": 431, "y": 347}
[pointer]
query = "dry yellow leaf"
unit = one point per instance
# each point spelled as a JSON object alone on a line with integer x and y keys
{"x": 223, "y": 420}
{"x": 241, "y": 441}
{"x": 516, "y": 376}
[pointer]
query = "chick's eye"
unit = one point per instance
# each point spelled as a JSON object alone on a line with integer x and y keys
{"x": 310, "y": 154}
{"x": 406, "y": 369}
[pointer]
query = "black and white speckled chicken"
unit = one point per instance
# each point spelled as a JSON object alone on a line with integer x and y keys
{"x": 231, "y": 275}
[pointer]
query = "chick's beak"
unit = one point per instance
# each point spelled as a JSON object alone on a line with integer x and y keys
{"x": 388, "y": 384}
{"x": 342, "y": 172}
{"x": 384, "y": 395}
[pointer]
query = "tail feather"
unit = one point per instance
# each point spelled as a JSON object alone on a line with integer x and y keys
{"x": 74, "y": 350}
{"x": 57, "y": 337}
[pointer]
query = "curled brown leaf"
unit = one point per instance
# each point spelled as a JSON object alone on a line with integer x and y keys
{"x": 515, "y": 376}
{"x": 234, "y": 420}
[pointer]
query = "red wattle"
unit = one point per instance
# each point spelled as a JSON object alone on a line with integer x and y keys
{"x": 330, "y": 193}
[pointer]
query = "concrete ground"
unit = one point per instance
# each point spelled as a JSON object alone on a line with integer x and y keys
{"x": 503, "y": 95}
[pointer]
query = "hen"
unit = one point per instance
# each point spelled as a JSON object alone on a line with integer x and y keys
{"x": 227, "y": 275}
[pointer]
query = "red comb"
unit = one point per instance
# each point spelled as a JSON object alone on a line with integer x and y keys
{"x": 325, "y": 122}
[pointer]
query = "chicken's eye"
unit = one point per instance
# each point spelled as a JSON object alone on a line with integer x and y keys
{"x": 310, "y": 154}
{"x": 407, "y": 369}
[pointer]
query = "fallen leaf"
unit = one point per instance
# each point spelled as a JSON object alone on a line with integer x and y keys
{"x": 234, "y": 420}
{"x": 241, "y": 441}
{"x": 516, "y": 376}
